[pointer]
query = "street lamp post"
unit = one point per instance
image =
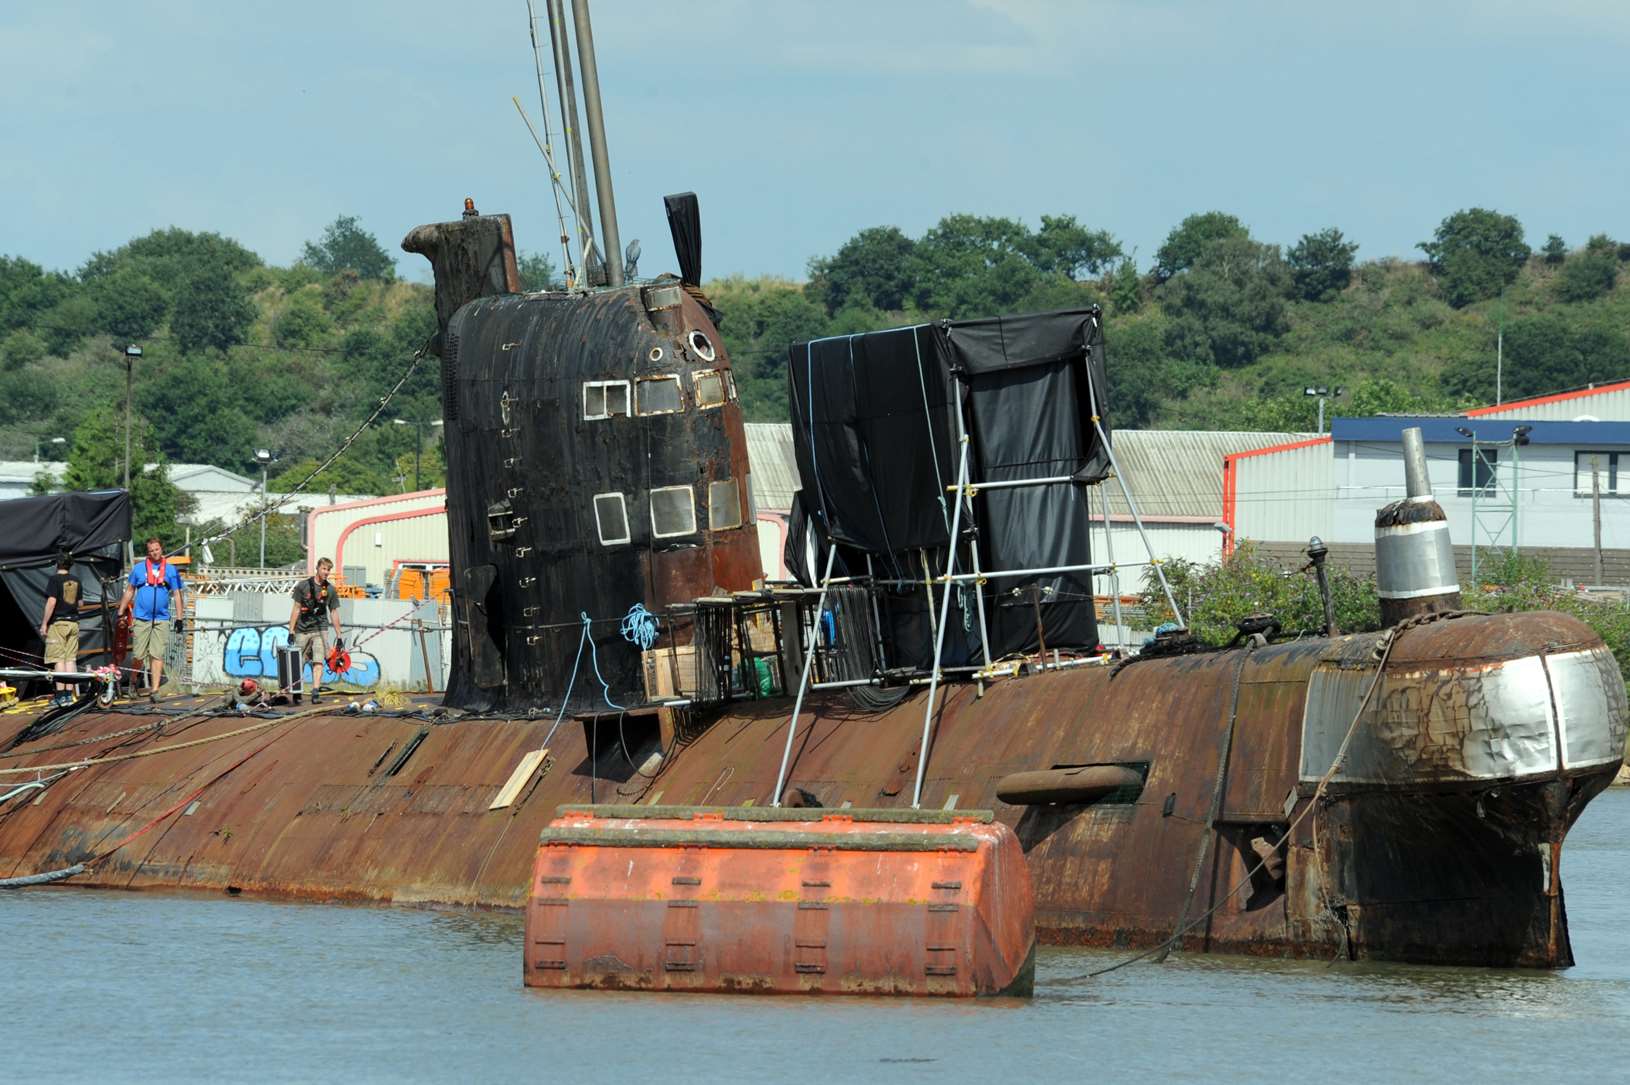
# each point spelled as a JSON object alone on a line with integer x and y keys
{"x": 132, "y": 352}
{"x": 418, "y": 443}
{"x": 1320, "y": 393}
{"x": 263, "y": 456}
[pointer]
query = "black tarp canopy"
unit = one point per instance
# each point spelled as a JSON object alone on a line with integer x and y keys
{"x": 877, "y": 421}
{"x": 92, "y": 528}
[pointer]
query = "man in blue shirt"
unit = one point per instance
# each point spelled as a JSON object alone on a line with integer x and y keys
{"x": 153, "y": 585}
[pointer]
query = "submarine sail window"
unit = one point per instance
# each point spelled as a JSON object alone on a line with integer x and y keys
{"x": 711, "y": 390}
{"x": 605, "y": 399}
{"x": 701, "y": 345}
{"x": 660, "y": 395}
{"x": 611, "y": 518}
{"x": 723, "y": 505}
{"x": 673, "y": 512}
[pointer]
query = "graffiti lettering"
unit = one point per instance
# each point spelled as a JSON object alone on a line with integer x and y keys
{"x": 250, "y": 652}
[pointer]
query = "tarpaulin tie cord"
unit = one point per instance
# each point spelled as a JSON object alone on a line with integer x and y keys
{"x": 639, "y": 627}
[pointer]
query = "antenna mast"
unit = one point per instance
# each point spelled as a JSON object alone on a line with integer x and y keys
{"x": 546, "y": 145}
{"x": 561, "y": 46}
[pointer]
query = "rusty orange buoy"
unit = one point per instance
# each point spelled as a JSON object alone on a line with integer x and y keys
{"x": 690, "y": 898}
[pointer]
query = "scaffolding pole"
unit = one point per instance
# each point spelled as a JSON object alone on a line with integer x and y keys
{"x": 939, "y": 638}
{"x": 803, "y": 682}
{"x": 1114, "y": 574}
{"x": 1115, "y": 464}
{"x": 979, "y": 580}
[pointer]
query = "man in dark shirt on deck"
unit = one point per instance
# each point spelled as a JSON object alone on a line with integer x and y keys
{"x": 316, "y": 604}
{"x": 60, "y": 626}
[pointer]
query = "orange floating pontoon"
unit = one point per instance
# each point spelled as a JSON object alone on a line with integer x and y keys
{"x": 689, "y": 898}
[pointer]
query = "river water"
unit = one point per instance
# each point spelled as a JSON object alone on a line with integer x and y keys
{"x": 122, "y": 986}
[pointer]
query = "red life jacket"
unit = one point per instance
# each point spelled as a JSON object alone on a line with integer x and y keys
{"x": 156, "y": 579}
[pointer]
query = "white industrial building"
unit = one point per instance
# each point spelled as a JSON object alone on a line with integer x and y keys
{"x": 1542, "y": 475}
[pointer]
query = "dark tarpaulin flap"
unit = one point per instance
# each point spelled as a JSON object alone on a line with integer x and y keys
{"x": 34, "y": 530}
{"x": 875, "y": 437}
{"x": 685, "y": 224}
{"x": 980, "y": 347}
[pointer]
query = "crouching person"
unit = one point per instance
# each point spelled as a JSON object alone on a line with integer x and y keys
{"x": 316, "y": 610}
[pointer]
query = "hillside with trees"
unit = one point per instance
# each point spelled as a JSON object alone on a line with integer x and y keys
{"x": 1220, "y": 330}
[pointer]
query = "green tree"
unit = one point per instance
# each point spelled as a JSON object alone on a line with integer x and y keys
{"x": 1065, "y": 246}
{"x": 1545, "y": 352}
{"x": 96, "y": 462}
{"x": 68, "y": 322}
{"x": 1229, "y": 308}
{"x": 1191, "y": 237}
{"x": 130, "y": 306}
{"x": 348, "y": 475}
{"x": 877, "y": 267}
{"x": 26, "y": 291}
{"x": 1589, "y": 273}
{"x": 1244, "y": 583}
{"x": 1555, "y": 250}
{"x": 346, "y": 245}
{"x": 537, "y": 272}
{"x": 1475, "y": 254}
{"x": 21, "y": 348}
{"x": 303, "y": 322}
{"x": 193, "y": 409}
{"x": 212, "y": 312}
{"x": 972, "y": 265}
{"x": 1321, "y": 264}
{"x": 1125, "y": 288}
{"x": 1143, "y": 375}
{"x": 172, "y": 257}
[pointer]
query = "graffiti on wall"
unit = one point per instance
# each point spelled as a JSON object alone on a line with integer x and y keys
{"x": 250, "y": 652}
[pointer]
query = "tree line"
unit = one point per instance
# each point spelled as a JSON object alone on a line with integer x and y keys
{"x": 1222, "y": 330}
{"x": 1219, "y": 330}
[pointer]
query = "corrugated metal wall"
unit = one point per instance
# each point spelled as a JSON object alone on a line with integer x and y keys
{"x": 325, "y": 528}
{"x": 1599, "y": 406}
{"x": 1283, "y": 496}
{"x": 376, "y": 547}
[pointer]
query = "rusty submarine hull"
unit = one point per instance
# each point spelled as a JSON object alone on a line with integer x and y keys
{"x": 1401, "y": 795}
{"x": 1439, "y": 840}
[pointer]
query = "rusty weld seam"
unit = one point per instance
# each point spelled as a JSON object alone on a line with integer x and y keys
{"x": 1209, "y": 833}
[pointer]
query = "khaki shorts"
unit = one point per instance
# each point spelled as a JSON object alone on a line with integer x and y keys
{"x": 62, "y": 642}
{"x": 149, "y": 640}
{"x": 311, "y": 646}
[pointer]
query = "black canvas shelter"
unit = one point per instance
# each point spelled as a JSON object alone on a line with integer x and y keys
{"x": 878, "y": 421}
{"x": 93, "y": 529}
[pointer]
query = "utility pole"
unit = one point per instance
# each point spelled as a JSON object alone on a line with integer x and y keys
{"x": 1596, "y": 512}
{"x": 263, "y": 456}
{"x": 132, "y": 352}
{"x": 1320, "y": 393}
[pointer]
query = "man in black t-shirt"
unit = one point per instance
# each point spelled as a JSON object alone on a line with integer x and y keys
{"x": 59, "y": 628}
{"x": 316, "y": 604}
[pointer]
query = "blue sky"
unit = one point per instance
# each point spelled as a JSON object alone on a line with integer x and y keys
{"x": 799, "y": 124}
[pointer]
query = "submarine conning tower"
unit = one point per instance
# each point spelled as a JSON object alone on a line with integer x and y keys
{"x": 596, "y": 465}
{"x": 1414, "y": 559}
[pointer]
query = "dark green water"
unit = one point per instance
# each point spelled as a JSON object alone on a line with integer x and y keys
{"x": 112, "y": 987}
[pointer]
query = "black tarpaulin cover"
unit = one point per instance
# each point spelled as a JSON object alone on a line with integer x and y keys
{"x": 34, "y": 530}
{"x": 93, "y": 528}
{"x": 876, "y": 431}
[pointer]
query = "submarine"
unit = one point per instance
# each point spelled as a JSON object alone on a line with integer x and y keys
{"x": 1398, "y": 795}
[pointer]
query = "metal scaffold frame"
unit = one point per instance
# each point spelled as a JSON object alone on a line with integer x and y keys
{"x": 963, "y": 493}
